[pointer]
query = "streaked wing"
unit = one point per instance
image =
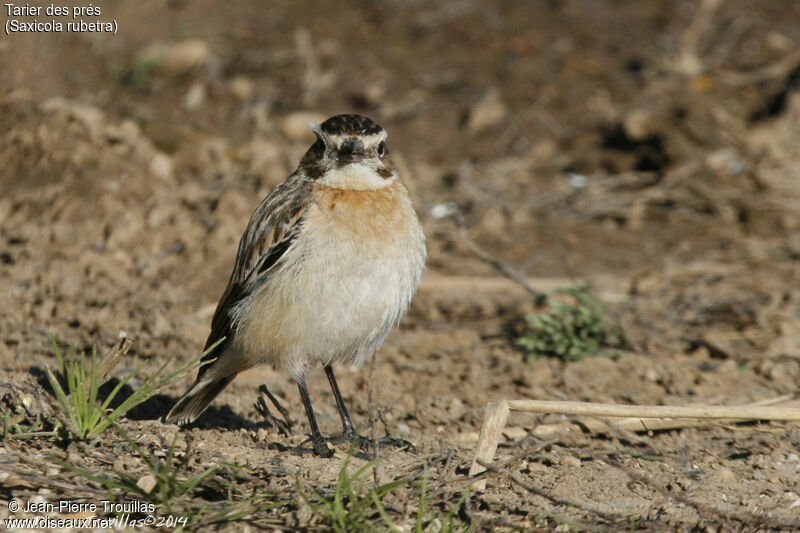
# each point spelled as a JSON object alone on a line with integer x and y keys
{"x": 271, "y": 231}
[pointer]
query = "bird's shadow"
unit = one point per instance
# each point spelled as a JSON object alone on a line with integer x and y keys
{"x": 158, "y": 405}
{"x": 155, "y": 407}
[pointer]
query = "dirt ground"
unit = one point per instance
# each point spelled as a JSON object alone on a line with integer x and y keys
{"x": 649, "y": 149}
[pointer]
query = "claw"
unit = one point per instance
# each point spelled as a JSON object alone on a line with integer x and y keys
{"x": 397, "y": 442}
{"x": 366, "y": 444}
{"x": 321, "y": 448}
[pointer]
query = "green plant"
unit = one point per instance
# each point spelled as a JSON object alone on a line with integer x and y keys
{"x": 252, "y": 508}
{"x": 355, "y": 506}
{"x": 448, "y": 524}
{"x": 139, "y": 74}
{"x": 352, "y": 507}
{"x": 38, "y": 428}
{"x": 88, "y": 417}
{"x": 172, "y": 488}
{"x": 570, "y": 331}
{"x": 167, "y": 485}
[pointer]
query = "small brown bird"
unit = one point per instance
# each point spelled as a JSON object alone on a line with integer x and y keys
{"x": 326, "y": 267}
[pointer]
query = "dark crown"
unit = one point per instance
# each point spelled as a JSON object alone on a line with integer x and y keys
{"x": 350, "y": 125}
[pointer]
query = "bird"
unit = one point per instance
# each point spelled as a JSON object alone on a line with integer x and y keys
{"x": 325, "y": 269}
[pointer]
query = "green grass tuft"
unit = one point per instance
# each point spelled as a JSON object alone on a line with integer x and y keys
{"x": 140, "y": 72}
{"x": 570, "y": 331}
{"x": 174, "y": 488}
{"x": 170, "y": 484}
{"x": 86, "y": 416}
{"x": 39, "y": 428}
{"x": 355, "y": 505}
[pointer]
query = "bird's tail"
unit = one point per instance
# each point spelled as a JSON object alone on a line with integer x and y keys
{"x": 197, "y": 398}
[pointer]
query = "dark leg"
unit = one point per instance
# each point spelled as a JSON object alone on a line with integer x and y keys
{"x": 319, "y": 443}
{"x": 348, "y": 431}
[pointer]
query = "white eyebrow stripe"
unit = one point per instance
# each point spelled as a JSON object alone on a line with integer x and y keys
{"x": 368, "y": 140}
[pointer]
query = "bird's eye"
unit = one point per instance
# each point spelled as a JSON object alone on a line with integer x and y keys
{"x": 381, "y": 149}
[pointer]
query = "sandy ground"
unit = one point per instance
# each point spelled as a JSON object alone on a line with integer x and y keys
{"x": 647, "y": 148}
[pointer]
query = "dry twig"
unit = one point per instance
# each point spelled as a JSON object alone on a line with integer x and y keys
{"x": 112, "y": 359}
{"x": 552, "y": 497}
{"x": 504, "y": 268}
{"x": 729, "y": 412}
{"x": 642, "y": 418}
{"x": 778, "y": 69}
{"x": 689, "y": 62}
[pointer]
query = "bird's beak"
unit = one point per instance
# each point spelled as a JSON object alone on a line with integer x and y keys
{"x": 351, "y": 150}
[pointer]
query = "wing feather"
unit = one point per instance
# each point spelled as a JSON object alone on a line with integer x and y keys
{"x": 272, "y": 230}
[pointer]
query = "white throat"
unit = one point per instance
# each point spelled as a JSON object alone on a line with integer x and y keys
{"x": 356, "y": 176}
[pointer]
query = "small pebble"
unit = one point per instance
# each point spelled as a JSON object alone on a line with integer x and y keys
{"x": 147, "y": 483}
{"x": 569, "y": 460}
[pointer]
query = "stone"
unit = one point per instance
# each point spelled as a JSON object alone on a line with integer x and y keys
{"x": 487, "y": 112}
{"x": 185, "y": 55}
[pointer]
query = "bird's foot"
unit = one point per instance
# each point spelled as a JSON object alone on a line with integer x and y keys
{"x": 396, "y": 442}
{"x": 321, "y": 447}
{"x": 361, "y": 446}
{"x": 366, "y": 444}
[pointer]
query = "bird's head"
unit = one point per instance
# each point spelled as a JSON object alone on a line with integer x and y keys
{"x": 350, "y": 153}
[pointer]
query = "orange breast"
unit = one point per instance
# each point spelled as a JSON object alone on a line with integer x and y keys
{"x": 373, "y": 214}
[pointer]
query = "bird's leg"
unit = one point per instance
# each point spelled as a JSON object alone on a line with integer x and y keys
{"x": 348, "y": 431}
{"x": 317, "y": 440}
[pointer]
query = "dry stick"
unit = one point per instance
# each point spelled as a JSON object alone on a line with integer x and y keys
{"x": 778, "y": 69}
{"x": 494, "y": 420}
{"x": 552, "y": 497}
{"x": 702, "y": 509}
{"x": 47, "y": 481}
{"x": 112, "y": 359}
{"x": 50, "y": 482}
{"x": 497, "y": 414}
{"x": 629, "y": 435}
{"x": 689, "y": 62}
{"x": 638, "y": 424}
{"x": 657, "y": 411}
{"x": 464, "y": 482}
{"x": 504, "y": 268}
{"x": 649, "y": 425}
{"x": 498, "y": 468}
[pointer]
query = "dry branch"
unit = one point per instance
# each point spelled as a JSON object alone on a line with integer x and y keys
{"x": 650, "y": 424}
{"x": 501, "y": 266}
{"x": 494, "y": 421}
{"x": 778, "y": 69}
{"x": 689, "y": 62}
{"x": 741, "y": 412}
{"x": 638, "y": 418}
{"x": 552, "y": 497}
{"x": 112, "y": 359}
